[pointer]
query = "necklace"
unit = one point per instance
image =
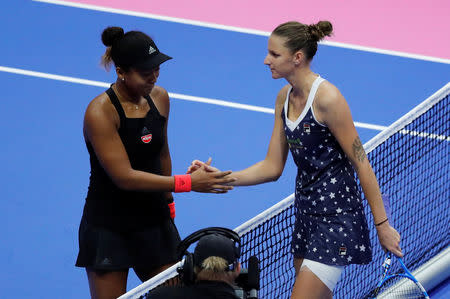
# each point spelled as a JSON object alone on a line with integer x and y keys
{"x": 136, "y": 107}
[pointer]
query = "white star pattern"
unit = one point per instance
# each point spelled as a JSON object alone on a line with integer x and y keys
{"x": 325, "y": 175}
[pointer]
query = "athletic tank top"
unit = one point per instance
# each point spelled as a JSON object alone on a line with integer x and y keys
{"x": 325, "y": 183}
{"x": 109, "y": 206}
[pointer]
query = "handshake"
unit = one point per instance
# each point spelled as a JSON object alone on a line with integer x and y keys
{"x": 208, "y": 179}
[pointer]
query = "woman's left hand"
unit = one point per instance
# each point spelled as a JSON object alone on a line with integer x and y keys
{"x": 389, "y": 239}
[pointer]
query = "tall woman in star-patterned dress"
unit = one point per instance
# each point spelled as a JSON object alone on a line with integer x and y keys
{"x": 313, "y": 121}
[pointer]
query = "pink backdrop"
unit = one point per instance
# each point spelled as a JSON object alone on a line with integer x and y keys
{"x": 412, "y": 26}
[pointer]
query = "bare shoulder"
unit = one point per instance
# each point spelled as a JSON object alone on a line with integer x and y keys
{"x": 281, "y": 97}
{"x": 101, "y": 104}
{"x": 328, "y": 96}
{"x": 101, "y": 109}
{"x": 160, "y": 97}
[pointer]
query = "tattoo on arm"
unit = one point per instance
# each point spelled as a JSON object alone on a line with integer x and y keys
{"x": 358, "y": 150}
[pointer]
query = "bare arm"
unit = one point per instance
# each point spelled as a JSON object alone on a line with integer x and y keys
{"x": 100, "y": 129}
{"x": 333, "y": 110}
{"x": 271, "y": 168}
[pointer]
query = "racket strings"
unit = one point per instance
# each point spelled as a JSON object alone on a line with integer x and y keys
{"x": 400, "y": 287}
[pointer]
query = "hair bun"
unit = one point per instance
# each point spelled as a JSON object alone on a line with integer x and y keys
{"x": 320, "y": 30}
{"x": 111, "y": 34}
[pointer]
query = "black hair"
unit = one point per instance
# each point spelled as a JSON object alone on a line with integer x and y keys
{"x": 109, "y": 36}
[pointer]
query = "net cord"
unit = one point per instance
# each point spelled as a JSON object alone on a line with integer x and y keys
{"x": 141, "y": 289}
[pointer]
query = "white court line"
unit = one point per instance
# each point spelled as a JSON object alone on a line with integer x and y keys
{"x": 171, "y": 95}
{"x": 239, "y": 29}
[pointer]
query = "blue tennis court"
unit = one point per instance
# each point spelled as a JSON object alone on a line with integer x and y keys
{"x": 45, "y": 162}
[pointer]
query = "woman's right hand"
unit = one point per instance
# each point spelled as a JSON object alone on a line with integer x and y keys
{"x": 206, "y": 181}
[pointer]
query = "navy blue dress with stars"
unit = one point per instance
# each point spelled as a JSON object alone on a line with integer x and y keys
{"x": 330, "y": 225}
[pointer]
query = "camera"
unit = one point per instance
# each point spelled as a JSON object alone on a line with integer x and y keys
{"x": 247, "y": 283}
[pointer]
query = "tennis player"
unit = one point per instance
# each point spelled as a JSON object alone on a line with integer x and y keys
{"x": 313, "y": 121}
{"x": 128, "y": 216}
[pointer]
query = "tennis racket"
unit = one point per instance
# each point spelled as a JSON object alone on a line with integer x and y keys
{"x": 398, "y": 285}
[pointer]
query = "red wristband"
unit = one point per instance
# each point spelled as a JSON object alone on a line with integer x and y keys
{"x": 172, "y": 209}
{"x": 183, "y": 183}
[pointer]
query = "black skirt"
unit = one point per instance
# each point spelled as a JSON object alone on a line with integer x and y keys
{"x": 105, "y": 249}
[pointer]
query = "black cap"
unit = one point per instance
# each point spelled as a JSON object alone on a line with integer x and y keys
{"x": 215, "y": 245}
{"x": 136, "y": 49}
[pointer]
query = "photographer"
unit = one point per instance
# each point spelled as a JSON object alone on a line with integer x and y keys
{"x": 215, "y": 269}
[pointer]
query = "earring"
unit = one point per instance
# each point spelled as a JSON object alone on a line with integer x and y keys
{"x": 123, "y": 79}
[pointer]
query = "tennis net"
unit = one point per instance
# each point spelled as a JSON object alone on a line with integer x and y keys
{"x": 412, "y": 163}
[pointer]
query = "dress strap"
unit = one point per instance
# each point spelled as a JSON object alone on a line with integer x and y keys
{"x": 115, "y": 101}
{"x": 152, "y": 105}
